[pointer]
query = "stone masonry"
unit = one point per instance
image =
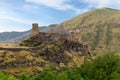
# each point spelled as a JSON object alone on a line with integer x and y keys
{"x": 35, "y": 29}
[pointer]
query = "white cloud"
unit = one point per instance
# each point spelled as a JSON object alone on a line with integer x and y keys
{"x": 56, "y": 4}
{"x": 102, "y": 3}
{"x": 97, "y": 4}
{"x": 63, "y": 5}
{"x": 80, "y": 11}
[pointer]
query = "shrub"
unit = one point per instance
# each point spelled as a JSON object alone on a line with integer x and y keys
{"x": 25, "y": 76}
{"x": 101, "y": 68}
{"x": 45, "y": 75}
{"x": 62, "y": 76}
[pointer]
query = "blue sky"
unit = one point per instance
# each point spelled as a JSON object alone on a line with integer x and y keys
{"x": 18, "y": 15}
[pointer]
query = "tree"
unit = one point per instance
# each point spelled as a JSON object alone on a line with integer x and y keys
{"x": 49, "y": 76}
{"x": 62, "y": 76}
{"x": 103, "y": 67}
{"x": 45, "y": 75}
{"x": 3, "y": 76}
{"x": 74, "y": 74}
{"x": 25, "y": 76}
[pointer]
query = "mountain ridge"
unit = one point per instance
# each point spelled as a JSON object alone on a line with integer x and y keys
{"x": 99, "y": 28}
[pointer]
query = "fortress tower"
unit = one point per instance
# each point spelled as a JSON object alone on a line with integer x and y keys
{"x": 35, "y": 29}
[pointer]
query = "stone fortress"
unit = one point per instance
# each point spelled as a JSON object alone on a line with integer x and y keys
{"x": 72, "y": 36}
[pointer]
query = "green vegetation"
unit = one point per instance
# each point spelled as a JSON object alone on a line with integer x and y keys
{"x": 103, "y": 67}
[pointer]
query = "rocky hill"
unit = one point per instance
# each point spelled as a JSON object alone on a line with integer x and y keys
{"x": 34, "y": 56}
{"x": 100, "y": 28}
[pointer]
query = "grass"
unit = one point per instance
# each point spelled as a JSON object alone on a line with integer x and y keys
{"x": 18, "y": 70}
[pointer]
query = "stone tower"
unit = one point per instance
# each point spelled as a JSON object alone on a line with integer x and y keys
{"x": 35, "y": 29}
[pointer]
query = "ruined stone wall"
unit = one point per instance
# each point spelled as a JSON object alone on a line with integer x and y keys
{"x": 51, "y": 36}
{"x": 72, "y": 35}
{"x": 56, "y": 36}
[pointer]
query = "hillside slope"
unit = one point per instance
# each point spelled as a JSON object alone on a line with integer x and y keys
{"x": 99, "y": 28}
